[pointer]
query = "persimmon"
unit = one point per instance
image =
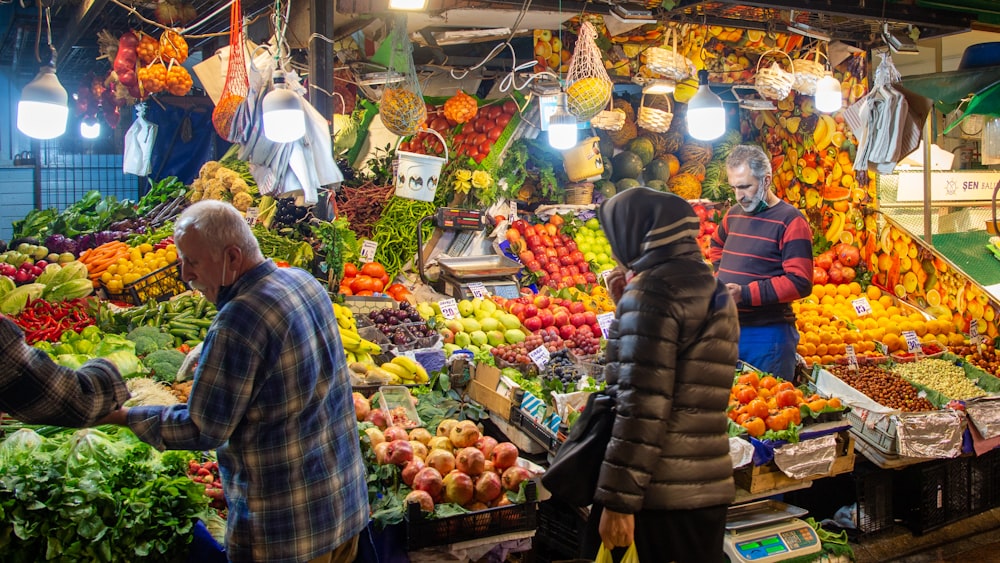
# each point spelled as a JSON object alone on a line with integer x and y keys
{"x": 745, "y": 394}
{"x": 755, "y": 426}
{"x": 768, "y": 382}
{"x": 834, "y": 403}
{"x": 757, "y": 408}
{"x": 373, "y": 269}
{"x": 786, "y": 398}
{"x": 793, "y": 414}
{"x": 778, "y": 421}
{"x": 817, "y": 405}
{"x": 750, "y": 378}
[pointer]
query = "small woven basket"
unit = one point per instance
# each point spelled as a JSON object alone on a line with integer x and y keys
{"x": 654, "y": 119}
{"x": 774, "y": 82}
{"x": 669, "y": 62}
{"x": 807, "y": 73}
{"x": 608, "y": 120}
{"x": 581, "y": 193}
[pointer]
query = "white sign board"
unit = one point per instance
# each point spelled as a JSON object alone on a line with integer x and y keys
{"x": 959, "y": 185}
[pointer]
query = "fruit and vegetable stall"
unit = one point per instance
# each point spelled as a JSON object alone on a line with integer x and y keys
{"x": 473, "y": 312}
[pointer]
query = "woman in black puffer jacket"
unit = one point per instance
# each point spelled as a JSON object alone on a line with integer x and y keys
{"x": 666, "y": 479}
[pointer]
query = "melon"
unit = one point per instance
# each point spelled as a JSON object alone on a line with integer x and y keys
{"x": 658, "y": 185}
{"x": 656, "y": 170}
{"x": 626, "y": 164}
{"x": 643, "y": 147}
{"x": 606, "y": 188}
{"x": 626, "y": 184}
{"x": 686, "y": 186}
{"x": 695, "y": 152}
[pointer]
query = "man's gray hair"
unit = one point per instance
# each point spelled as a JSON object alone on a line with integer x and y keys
{"x": 754, "y": 157}
{"x": 221, "y": 225}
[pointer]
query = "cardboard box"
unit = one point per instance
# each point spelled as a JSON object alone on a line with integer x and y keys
{"x": 487, "y": 390}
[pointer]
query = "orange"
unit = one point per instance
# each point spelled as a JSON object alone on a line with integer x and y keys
{"x": 873, "y": 293}
{"x": 822, "y": 349}
{"x": 855, "y": 288}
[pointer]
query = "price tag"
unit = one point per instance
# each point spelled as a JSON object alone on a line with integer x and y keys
{"x": 852, "y": 358}
{"x": 368, "y": 249}
{"x": 513, "y": 211}
{"x": 604, "y": 321}
{"x": 449, "y": 308}
{"x": 540, "y": 356}
{"x": 251, "y": 216}
{"x": 912, "y": 342}
{"x": 477, "y": 289}
{"x": 974, "y": 333}
{"x": 861, "y": 306}
{"x": 882, "y": 348}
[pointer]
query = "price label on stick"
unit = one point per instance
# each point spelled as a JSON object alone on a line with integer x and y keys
{"x": 368, "y": 249}
{"x": 882, "y": 348}
{"x": 477, "y": 289}
{"x": 513, "y": 211}
{"x": 252, "y": 214}
{"x": 449, "y": 308}
{"x": 540, "y": 356}
{"x": 604, "y": 321}
{"x": 852, "y": 358}
{"x": 974, "y": 333}
{"x": 861, "y": 306}
{"x": 912, "y": 342}
{"x": 604, "y": 277}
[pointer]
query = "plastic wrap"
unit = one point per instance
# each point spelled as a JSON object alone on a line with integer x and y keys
{"x": 808, "y": 457}
{"x": 985, "y": 416}
{"x": 935, "y": 434}
{"x": 740, "y": 452}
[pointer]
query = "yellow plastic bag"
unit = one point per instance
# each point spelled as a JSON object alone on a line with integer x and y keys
{"x": 604, "y": 555}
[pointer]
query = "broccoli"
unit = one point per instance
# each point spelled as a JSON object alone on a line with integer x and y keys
{"x": 149, "y": 339}
{"x": 164, "y": 364}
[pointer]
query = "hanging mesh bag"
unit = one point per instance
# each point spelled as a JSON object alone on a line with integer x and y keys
{"x": 402, "y": 106}
{"x": 237, "y": 81}
{"x": 589, "y": 88}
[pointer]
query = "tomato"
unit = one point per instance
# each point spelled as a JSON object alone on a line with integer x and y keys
{"x": 485, "y": 147}
{"x": 350, "y": 270}
{"x": 377, "y": 285}
{"x": 473, "y": 153}
{"x": 479, "y": 158}
{"x": 362, "y": 283}
{"x": 346, "y": 290}
{"x": 481, "y": 126}
{"x": 503, "y": 120}
{"x": 510, "y": 107}
{"x": 440, "y": 124}
{"x": 494, "y": 133}
{"x": 373, "y": 269}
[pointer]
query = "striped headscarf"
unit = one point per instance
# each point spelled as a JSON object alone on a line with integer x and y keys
{"x": 646, "y": 227}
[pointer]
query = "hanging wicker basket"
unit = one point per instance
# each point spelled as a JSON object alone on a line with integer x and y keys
{"x": 808, "y": 72}
{"x": 774, "y": 82}
{"x": 609, "y": 119}
{"x": 581, "y": 193}
{"x": 654, "y": 119}
{"x": 669, "y": 62}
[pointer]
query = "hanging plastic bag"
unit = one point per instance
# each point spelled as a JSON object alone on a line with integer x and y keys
{"x": 402, "y": 105}
{"x": 589, "y": 87}
{"x": 139, "y": 139}
{"x": 604, "y": 555}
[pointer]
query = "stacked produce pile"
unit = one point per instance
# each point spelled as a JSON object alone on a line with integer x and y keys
{"x": 769, "y": 407}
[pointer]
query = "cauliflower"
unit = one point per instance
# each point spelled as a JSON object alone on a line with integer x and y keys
{"x": 227, "y": 177}
{"x": 242, "y": 201}
{"x": 209, "y": 169}
{"x": 195, "y": 196}
{"x": 216, "y": 191}
{"x": 239, "y": 185}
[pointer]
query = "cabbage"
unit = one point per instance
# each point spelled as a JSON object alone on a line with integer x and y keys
{"x": 126, "y": 362}
{"x": 71, "y": 361}
{"x": 345, "y": 133}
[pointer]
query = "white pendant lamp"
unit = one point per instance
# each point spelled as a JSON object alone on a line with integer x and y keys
{"x": 562, "y": 126}
{"x": 828, "y": 95}
{"x": 284, "y": 120}
{"x": 706, "y": 118}
{"x": 44, "y": 106}
{"x": 90, "y": 128}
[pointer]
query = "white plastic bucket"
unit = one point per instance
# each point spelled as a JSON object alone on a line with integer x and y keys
{"x": 417, "y": 175}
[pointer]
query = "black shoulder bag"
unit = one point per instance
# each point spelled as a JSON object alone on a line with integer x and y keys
{"x": 572, "y": 475}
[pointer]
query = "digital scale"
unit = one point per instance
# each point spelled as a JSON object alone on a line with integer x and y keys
{"x": 465, "y": 277}
{"x": 767, "y": 531}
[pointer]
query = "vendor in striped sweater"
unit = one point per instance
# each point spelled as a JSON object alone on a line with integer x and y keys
{"x": 762, "y": 251}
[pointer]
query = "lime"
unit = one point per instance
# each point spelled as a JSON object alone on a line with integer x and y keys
{"x": 593, "y": 224}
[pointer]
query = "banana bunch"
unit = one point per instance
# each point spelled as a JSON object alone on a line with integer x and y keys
{"x": 356, "y": 348}
{"x": 405, "y": 370}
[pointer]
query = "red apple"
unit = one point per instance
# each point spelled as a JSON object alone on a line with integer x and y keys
{"x": 590, "y": 317}
{"x": 542, "y": 301}
{"x": 530, "y": 310}
{"x": 526, "y": 256}
{"x": 547, "y": 318}
{"x": 567, "y": 331}
{"x": 560, "y": 318}
{"x": 532, "y": 323}
{"x": 577, "y": 319}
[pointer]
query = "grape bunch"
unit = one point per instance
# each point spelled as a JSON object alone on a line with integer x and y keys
{"x": 584, "y": 344}
{"x": 562, "y": 369}
{"x": 288, "y": 214}
{"x": 402, "y": 325}
{"x": 518, "y": 353}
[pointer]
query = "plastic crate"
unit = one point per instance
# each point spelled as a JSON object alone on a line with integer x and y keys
{"x": 931, "y": 495}
{"x": 362, "y": 305}
{"x": 881, "y": 436}
{"x": 156, "y": 286}
{"x": 874, "y": 492}
{"x": 984, "y": 482}
{"x": 541, "y": 434}
{"x": 560, "y": 530}
{"x": 422, "y": 531}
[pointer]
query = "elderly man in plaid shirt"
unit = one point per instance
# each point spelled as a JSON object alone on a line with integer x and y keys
{"x": 271, "y": 392}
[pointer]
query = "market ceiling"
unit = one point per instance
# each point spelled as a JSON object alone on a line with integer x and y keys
{"x": 76, "y": 23}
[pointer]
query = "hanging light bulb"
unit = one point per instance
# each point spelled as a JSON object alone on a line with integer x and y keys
{"x": 284, "y": 120}
{"x": 90, "y": 128}
{"x": 562, "y": 126}
{"x": 706, "y": 118}
{"x": 828, "y": 96}
{"x": 43, "y": 108}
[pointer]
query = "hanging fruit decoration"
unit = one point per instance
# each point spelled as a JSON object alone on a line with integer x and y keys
{"x": 179, "y": 82}
{"x": 402, "y": 111}
{"x": 173, "y": 46}
{"x": 148, "y": 48}
{"x": 153, "y": 77}
{"x": 460, "y": 108}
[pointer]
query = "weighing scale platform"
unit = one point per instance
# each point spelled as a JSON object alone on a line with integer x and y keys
{"x": 768, "y": 531}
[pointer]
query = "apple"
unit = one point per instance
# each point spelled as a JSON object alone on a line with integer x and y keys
{"x": 423, "y": 498}
{"x": 441, "y": 460}
{"x": 547, "y": 318}
{"x": 542, "y": 301}
{"x": 530, "y": 310}
{"x": 526, "y": 256}
{"x": 488, "y": 487}
{"x": 513, "y": 476}
{"x": 590, "y": 317}
{"x": 560, "y": 318}
{"x": 577, "y": 307}
{"x": 533, "y": 323}
{"x": 577, "y": 319}
{"x": 429, "y": 480}
{"x": 567, "y": 331}
{"x": 464, "y": 434}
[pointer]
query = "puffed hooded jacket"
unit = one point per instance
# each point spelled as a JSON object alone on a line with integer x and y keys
{"x": 672, "y": 353}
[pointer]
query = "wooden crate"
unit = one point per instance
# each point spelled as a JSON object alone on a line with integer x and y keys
{"x": 767, "y": 477}
{"x": 483, "y": 390}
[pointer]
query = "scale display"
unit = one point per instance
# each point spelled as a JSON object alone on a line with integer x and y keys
{"x": 461, "y": 290}
{"x": 450, "y": 218}
{"x": 776, "y": 544}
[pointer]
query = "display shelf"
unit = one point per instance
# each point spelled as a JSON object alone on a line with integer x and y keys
{"x": 967, "y": 252}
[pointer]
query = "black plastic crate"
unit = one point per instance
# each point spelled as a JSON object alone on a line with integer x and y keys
{"x": 874, "y": 492}
{"x": 156, "y": 286}
{"x": 984, "y": 482}
{"x": 931, "y": 495}
{"x": 560, "y": 530}
{"x": 422, "y": 531}
{"x": 536, "y": 431}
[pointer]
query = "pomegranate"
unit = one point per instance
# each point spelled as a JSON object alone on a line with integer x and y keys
{"x": 429, "y": 480}
{"x": 380, "y": 452}
{"x": 488, "y": 487}
{"x": 375, "y": 436}
{"x": 361, "y": 406}
{"x": 411, "y": 470}
{"x": 513, "y": 476}
{"x": 504, "y": 455}
{"x": 440, "y": 443}
{"x": 486, "y": 444}
{"x": 419, "y": 449}
{"x": 445, "y": 426}
{"x": 377, "y": 417}
{"x": 393, "y": 433}
{"x": 423, "y": 498}
{"x": 399, "y": 452}
{"x": 421, "y": 435}
{"x": 470, "y": 461}
{"x": 441, "y": 460}
{"x": 458, "y": 488}
{"x": 464, "y": 434}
